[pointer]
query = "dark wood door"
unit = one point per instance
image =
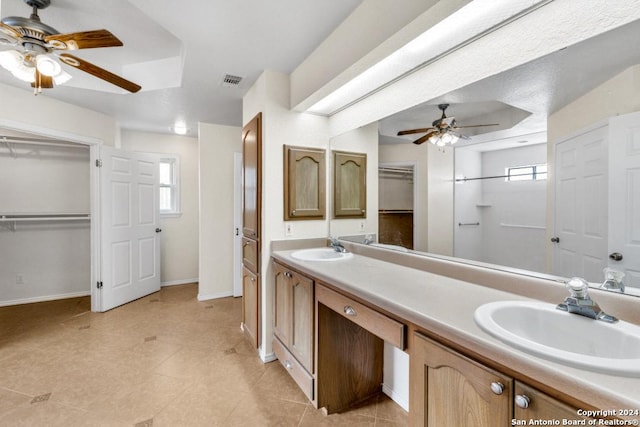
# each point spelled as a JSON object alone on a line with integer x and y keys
{"x": 252, "y": 172}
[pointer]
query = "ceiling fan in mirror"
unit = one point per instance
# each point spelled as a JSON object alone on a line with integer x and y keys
{"x": 443, "y": 131}
{"x": 33, "y": 51}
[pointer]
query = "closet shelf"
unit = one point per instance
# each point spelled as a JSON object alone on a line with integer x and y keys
{"x": 9, "y": 220}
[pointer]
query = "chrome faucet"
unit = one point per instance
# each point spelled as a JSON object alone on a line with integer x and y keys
{"x": 336, "y": 245}
{"x": 579, "y": 302}
{"x": 368, "y": 239}
{"x": 613, "y": 280}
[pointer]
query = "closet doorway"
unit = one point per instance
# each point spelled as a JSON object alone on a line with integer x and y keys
{"x": 396, "y": 195}
{"x": 76, "y": 219}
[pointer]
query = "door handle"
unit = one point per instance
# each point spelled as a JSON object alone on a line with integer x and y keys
{"x": 555, "y": 239}
{"x": 158, "y": 230}
{"x": 616, "y": 256}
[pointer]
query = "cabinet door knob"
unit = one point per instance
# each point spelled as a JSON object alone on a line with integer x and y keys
{"x": 287, "y": 364}
{"x": 522, "y": 401}
{"x": 497, "y": 387}
{"x": 293, "y": 212}
{"x": 288, "y": 274}
{"x": 349, "y": 311}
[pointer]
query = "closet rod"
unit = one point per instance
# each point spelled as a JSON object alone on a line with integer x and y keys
{"x": 396, "y": 170}
{"x": 496, "y": 176}
{"x": 43, "y": 217}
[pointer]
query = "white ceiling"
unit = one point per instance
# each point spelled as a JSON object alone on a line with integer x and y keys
{"x": 540, "y": 87}
{"x": 180, "y": 51}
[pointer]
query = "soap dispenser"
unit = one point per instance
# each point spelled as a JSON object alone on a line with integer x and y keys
{"x": 613, "y": 280}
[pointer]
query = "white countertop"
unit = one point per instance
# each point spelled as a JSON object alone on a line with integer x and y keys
{"x": 445, "y": 306}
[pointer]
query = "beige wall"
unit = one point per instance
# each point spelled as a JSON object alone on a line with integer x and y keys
{"x": 216, "y": 147}
{"x": 416, "y": 154}
{"x": 179, "y": 238}
{"x": 440, "y": 199}
{"x": 21, "y": 110}
{"x": 620, "y": 95}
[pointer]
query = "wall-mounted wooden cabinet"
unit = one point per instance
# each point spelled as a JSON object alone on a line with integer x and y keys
{"x": 349, "y": 185}
{"x": 304, "y": 183}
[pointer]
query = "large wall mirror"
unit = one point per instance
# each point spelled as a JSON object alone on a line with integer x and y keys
{"x": 532, "y": 188}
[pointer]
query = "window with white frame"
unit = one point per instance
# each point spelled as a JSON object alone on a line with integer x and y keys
{"x": 169, "y": 185}
{"x": 526, "y": 173}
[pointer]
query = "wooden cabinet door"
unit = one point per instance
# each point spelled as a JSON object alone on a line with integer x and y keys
{"x": 304, "y": 183}
{"x": 251, "y": 306}
{"x": 250, "y": 254}
{"x": 282, "y": 309}
{"x": 448, "y": 389}
{"x": 541, "y": 406}
{"x": 349, "y": 185}
{"x": 302, "y": 303}
{"x": 252, "y": 176}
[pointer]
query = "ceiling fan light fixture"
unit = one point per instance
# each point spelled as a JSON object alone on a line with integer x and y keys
{"x": 48, "y": 66}
{"x": 13, "y": 61}
{"x": 61, "y": 78}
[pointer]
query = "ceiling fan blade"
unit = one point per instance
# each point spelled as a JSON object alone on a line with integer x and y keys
{"x": 42, "y": 81}
{"x": 101, "y": 73}
{"x": 412, "y": 131}
{"x": 83, "y": 40}
{"x": 12, "y": 35}
{"x": 425, "y": 137}
{"x": 476, "y": 126}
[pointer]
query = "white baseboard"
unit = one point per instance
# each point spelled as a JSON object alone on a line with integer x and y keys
{"x": 44, "y": 298}
{"x": 215, "y": 296}
{"x": 400, "y": 400}
{"x": 179, "y": 282}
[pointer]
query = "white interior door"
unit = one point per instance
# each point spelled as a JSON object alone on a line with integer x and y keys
{"x": 581, "y": 205}
{"x": 129, "y": 214}
{"x": 624, "y": 196}
{"x": 237, "y": 224}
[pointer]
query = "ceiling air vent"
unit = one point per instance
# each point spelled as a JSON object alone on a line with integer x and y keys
{"x": 229, "y": 80}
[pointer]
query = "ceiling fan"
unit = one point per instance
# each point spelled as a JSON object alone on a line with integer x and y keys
{"x": 35, "y": 47}
{"x": 443, "y": 131}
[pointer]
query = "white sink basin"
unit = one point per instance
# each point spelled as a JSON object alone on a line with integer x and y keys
{"x": 320, "y": 254}
{"x": 541, "y": 329}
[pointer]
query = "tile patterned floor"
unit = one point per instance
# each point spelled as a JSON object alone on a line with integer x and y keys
{"x": 163, "y": 360}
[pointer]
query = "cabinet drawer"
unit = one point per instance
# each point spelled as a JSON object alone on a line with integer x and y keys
{"x": 295, "y": 369}
{"x": 377, "y": 323}
{"x": 250, "y": 254}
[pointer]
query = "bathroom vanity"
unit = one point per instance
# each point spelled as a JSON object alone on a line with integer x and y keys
{"x": 332, "y": 319}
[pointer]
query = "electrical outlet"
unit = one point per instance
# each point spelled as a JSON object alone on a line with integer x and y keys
{"x": 362, "y": 225}
{"x": 288, "y": 229}
{"x": 19, "y": 279}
